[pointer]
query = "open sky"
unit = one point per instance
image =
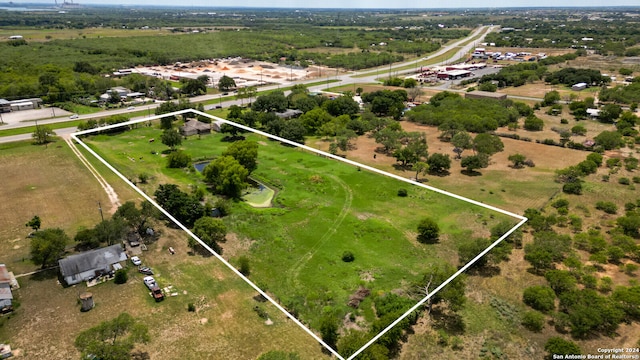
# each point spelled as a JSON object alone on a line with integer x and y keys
{"x": 386, "y": 4}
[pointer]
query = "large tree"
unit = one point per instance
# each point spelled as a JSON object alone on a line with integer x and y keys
{"x": 111, "y": 231}
{"x": 226, "y": 83}
{"x": 227, "y": 176}
{"x": 486, "y": 143}
{"x": 272, "y": 102}
{"x": 185, "y": 208}
{"x": 112, "y": 339}
{"x": 211, "y": 231}
{"x": 439, "y": 163}
{"x": 47, "y": 246}
{"x": 171, "y": 138}
{"x": 137, "y": 219}
{"x": 471, "y": 163}
{"x": 42, "y": 135}
{"x": 462, "y": 141}
{"x": 245, "y": 152}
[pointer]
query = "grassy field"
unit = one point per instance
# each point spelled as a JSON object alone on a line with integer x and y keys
{"x": 49, "y": 182}
{"x": 52, "y": 183}
{"x": 322, "y": 209}
{"x": 221, "y": 325}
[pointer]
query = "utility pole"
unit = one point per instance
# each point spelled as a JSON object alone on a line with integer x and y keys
{"x": 100, "y": 209}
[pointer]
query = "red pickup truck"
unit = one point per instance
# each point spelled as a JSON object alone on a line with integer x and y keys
{"x": 151, "y": 284}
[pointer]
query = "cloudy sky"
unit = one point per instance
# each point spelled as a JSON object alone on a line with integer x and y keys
{"x": 395, "y": 4}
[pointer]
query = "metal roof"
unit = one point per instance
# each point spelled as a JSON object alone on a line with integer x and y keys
{"x": 93, "y": 259}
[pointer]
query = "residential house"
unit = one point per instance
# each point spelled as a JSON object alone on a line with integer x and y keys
{"x": 7, "y": 282}
{"x": 91, "y": 264}
{"x": 194, "y": 127}
{"x": 289, "y": 114}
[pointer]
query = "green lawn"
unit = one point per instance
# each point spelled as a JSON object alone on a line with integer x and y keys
{"x": 322, "y": 208}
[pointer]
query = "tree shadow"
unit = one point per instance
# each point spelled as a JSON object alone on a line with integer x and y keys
{"x": 449, "y": 321}
{"x": 485, "y": 271}
{"x": 233, "y": 138}
{"x": 470, "y": 172}
{"x": 401, "y": 167}
{"x": 46, "y": 274}
{"x": 440, "y": 173}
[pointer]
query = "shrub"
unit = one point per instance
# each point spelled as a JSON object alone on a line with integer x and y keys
{"x": 564, "y": 121}
{"x": 613, "y": 162}
{"x": 402, "y": 192}
{"x": 533, "y": 123}
{"x": 624, "y": 181}
{"x": 178, "y": 159}
{"x": 558, "y": 345}
{"x": 636, "y": 179}
{"x": 191, "y": 307}
{"x": 533, "y": 320}
{"x": 630, "y": 269}
{"x": 579, "y": 130}
{"x": 428, "y": 231}
{"x": 348, "y": 256}
{"x": 560, "y": 203}
{"x": 630, "y": 163}
{"x": 121, "y": 276}
{"x": 243, "y": 265}
{"x": 607, "y": 206}
{"x": 596, "y": 158}
{"x": 606, "y": 283}
{"x": 539, "y": 297}
{"x": 572, "y": 188}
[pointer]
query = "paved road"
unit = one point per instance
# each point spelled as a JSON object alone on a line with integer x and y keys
{"x": 226, "y": 101}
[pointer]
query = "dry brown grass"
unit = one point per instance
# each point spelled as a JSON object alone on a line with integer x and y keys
{"x": 224, "y": 325}
{"x": 49, "y": 182}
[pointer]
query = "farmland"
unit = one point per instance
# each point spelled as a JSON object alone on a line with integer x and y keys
{"x": 336, "y": 245}
{"x": 323, "y": 208}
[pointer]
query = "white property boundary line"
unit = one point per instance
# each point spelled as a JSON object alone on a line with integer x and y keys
{"x": 522, "y": 219}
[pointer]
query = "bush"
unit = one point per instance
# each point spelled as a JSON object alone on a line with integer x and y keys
{"x": 630, "y": 269}
{"x": 533, "y": 123}
{"x": 428, "y": 231}
{"x": 178, "y": 160}
{"x": 121, "y": 276}
{"x": 243, "y": 265}
{"x": 539, "y": 297}
{"x": 572, "y": 188}
{"x": 558, "y": 345}
{"x": 348, "y": 256}
{"x": 607, "y": 206}
{"x": 533, "y": 321}
{"x": 636, "y": 179}
{"x": 191, "y": 307}
{"x": 560, "y": 203}
{"x": 624, "y": 181}
{"x": 402, "y": 192}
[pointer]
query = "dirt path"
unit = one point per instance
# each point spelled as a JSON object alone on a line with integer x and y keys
{"x": 113, "y": 197}
{"x": 300, "y": 264}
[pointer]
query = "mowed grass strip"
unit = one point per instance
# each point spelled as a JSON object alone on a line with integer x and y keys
{"x": 323, "y": 208}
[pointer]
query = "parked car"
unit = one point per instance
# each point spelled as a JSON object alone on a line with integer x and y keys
{"x": 74, "y": 116}
{"x": 136, "y": 261}
{"x": 145, "y": 270}
{"x": 149, "y": 281}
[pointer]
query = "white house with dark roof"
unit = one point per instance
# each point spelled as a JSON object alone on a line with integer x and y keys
{"x": 90, "y": 264}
